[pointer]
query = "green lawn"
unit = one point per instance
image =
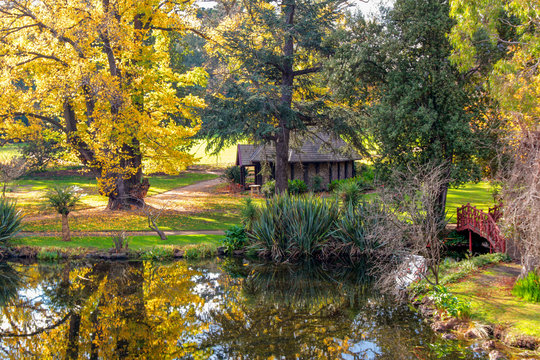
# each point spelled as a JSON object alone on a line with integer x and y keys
{"x": 479, "y": 195}
{"x": 106, "y": 242}
{"x": 30, "y": 190}
{"x": 116, "y": 221}
{"x": 226, "y": 156}
{"x": 489, "y": 292}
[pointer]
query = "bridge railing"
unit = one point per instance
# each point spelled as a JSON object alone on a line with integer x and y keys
{"x": 484, "y": 224}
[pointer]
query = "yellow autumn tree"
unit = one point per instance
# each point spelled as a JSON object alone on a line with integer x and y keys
{"x": 99, "y": 72}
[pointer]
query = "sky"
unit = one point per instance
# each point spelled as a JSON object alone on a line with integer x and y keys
{"x": 367, "y": 7}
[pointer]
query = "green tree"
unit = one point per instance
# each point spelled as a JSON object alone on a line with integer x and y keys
{"x": 63, "y": 200}
{"x": 418, "y": 107}
{"x": 268, "y": 83}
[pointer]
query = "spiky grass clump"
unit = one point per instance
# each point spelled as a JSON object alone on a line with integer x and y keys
{"x": 10, "y": 221}
{"x": 289, "y": 227}
{"x": 528, "y": 287}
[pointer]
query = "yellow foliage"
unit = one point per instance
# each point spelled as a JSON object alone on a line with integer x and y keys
{"x": 99, "y": 73}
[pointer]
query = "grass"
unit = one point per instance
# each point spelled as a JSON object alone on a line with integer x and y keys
{"x": 490, "y": 294}
{"x": 29, "y": 191}
{"x": 106, "y": 242}
{"x": 479, "y": 195}
{"x": 226, "y": 156}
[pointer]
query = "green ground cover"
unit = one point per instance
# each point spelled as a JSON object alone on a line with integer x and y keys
{"x": 490, "y": 293}
{"x": 106, "y": 242}
{"x": 30, "y": 190}
{"x": 479, "y": 195}
{"x": 109, "y": 221}
{"x": 227, "y": 156}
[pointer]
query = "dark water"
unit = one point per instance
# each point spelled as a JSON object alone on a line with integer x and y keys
{"x": 222, "y": 309}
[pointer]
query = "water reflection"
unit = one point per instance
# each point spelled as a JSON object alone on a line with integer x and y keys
{"x": 217, "y": 310}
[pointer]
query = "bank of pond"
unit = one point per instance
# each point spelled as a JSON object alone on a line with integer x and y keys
{"x": 215, "y": 309}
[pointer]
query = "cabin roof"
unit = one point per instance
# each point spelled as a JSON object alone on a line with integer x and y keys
{"x": 316, "y": 148}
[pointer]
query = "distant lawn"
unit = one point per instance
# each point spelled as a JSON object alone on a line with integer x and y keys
{"x": 10, "y": 150}
{"x": 479, "y": 195}
{"x": 105, "y": 242}
{"x": 226, "y": 156}
{"x": 30, "y": 190}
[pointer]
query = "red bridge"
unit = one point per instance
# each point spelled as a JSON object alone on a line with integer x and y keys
{"x": 484, "y": 224}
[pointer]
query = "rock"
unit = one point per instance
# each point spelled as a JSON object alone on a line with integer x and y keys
{"x": 178, "y": 253}
{"x": 426, "y": 311}
{"x": 221, "y": 251}
{"x": 449, "y": 336}
{"x": 496, "y": 355}
{"x": 118, "y": 256}
{"x": 525, "y": 342}
{"x": 488, "y": 345}
{"x": 471, "y": 334}
{"x": 240, "y": 252}
{"x": 444, "y": 326}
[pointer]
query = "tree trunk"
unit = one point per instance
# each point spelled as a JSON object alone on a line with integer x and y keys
{"x": 285, "y": 114}
{"x": 66, "y": 236}
{"x": 441, "y": 200}
{"x": 282, "y": 160}
{"x": 72, "y": 351}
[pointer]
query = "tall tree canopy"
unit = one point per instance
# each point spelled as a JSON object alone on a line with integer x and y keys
{"x": 268, "y": 85}
{"x": 508, "y": 34}
{"x": 99, "y": 72}
{"x": 417, "y": 105}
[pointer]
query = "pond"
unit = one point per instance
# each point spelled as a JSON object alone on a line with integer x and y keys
{"x": 221, "y": 309}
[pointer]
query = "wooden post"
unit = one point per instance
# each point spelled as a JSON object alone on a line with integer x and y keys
{"x": 470, "y": 242}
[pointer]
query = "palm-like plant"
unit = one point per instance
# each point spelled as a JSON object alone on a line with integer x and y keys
{"x": 63, "y": 199}
{"x": 10, "y": 220}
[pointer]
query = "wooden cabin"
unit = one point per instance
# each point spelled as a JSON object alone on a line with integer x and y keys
{"x": 323, "y": 155}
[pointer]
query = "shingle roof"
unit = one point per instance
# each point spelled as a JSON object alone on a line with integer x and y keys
{"x": 318, "y": 148}
{"x": 244, "y": 153}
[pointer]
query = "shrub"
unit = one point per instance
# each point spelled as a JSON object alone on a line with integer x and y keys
{"x": 528, "y": 288}
{"x": 158, "y": 253}
{"x": 269, "y": 188}
{"x": 248, "y": 213}
{"x": 297, "y": 187}
{"x": 40, "y": 151}
{"x": 349, "y": 193}
{"x": 356, "y": 228}
{"x": 235, "y": 238}
{"x": 316, "y": 183}
{"x": 365, "y": 175}
{"x": 233, "y": 174}
{"x": 334, "y": 184}
{"x": 289, "y": 227}
{"x": 49, "y": 255}
{"x": 10, "y": 221}
{"x": 444, "y": 300}
{"x": 201, "y": 251}
{"x": 120, "y": 242}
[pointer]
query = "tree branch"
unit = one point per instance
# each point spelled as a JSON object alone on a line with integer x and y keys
{"x": 307, "y": 71}
{"x": 42, "y": 117}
